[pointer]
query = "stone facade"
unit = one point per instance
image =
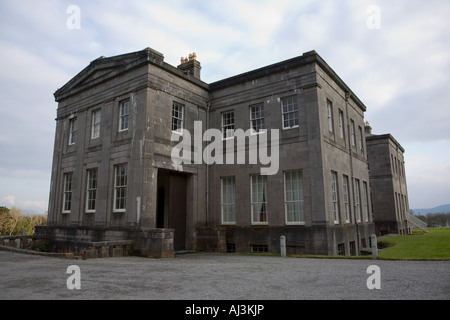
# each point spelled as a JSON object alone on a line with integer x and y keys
{"x": 114, "y": 176}
{"x": 388, "y": 184}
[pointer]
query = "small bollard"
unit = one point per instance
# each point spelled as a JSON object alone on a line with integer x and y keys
{"x": 373, "y": 239}
{"x": 283, "y": 246}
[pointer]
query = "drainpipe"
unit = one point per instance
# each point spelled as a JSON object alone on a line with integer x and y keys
{"x": 208, "y": 107}
{"x": 347, "y": 96}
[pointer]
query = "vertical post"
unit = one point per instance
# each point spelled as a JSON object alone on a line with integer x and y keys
{"x": 283, "y": 246}
{"x": 373, "y": 239}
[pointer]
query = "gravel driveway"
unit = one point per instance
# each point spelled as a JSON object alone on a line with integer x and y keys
{"x": 209, "y": 276}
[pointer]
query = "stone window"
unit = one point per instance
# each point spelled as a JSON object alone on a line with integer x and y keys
{"x": 259, "y": 199}
{"x": 228, "y": 124}
{"x": 352, "y": 133}
{"x": 290, "y": 112}
{"x": 120, "y": 188}
{"x": 366, "y": 202}
{"x": 361, "y": 138}
{"x": 228, "y": 201}
{"x": 293, "y": 197}
{"x": 91, "y": 190}
{"x": 177, "y": 117}
{"x": 330, "y": 115}
{"x": 335, "y": 196}
{"x": 357, "y": 200}
{"x": 72, "y": 130}
{"x": 257, "y": 118}
{"x": 259, "y": 248}
{"x": 341, "y": 124}
{"x": 124, "y": 113}
{"x": 67, "y": 196}
{"x": 341, "y": 249}
{"x": 346, "y": 198}
{"x": 96, "y": 119}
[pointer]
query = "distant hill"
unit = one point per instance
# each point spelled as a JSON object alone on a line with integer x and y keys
{"x": 445, "y": 208}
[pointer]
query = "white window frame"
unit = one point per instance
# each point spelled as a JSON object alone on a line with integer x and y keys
{"x": 120, "y": 187}
{"x": 341, "y": 124}
{"x": 257, "y": 124}
{"x": 361, "y": 138}
{"x": 345, "y": 183}
{"x": 335, "y": 196}
{"x": 289, "y": 107}
{"x": 330, "y": 115}
{"x": 72, "y": 130}
{"x": 352, "y": 133}
{"x": 228, "y": 125}
{"x": 177, "y": 118}
{"x": 124, "y": 112}
{"x": 96, "y": 121}
{"x": 357, "y": 201}
{"x": 366, "y": 202}
{"x": 259, "y": 208}
{"x": 91, "y": 190}
{"x": 67, "y": 192}
{"x": 228, "y": 200}
{"x": 293, "y": 198}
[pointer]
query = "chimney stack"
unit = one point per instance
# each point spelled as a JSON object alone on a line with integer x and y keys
{"x": 190, "y": 65}
{"x": 368, "y": 128}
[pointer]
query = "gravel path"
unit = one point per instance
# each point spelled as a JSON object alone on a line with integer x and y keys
{"x": 208, "y": 276}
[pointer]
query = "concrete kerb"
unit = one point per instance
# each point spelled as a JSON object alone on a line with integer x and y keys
{"x": 33, "y": 252}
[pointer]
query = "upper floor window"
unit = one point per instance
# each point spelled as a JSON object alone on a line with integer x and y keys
{"x": 352, "y": 133}
{"x": 124, "y": 113}
{"x": 341, "y": 124}
{"x": 361, "y": 138}
{"x": 257, "y": 118}
{"x": 96, "y": 119}
{"x": 72, "y": 130}
{"x": 330, "y": 115}
{"x": 290, "y": 112}
{"x": 228, "y": 124}
{"x": 177, "y": 117}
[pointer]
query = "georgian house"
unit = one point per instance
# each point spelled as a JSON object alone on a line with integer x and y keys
{"x": 148, "y": 152}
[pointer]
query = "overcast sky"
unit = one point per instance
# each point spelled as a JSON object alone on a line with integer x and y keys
{"x": 394, "y": 55}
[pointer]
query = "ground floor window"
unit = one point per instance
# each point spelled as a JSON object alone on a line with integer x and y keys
{"x": 259, "y": 199}
{"x": 91, "y": 190}
{"x": 259, "y": 248}
{"x": 67, "y": 198}
{"x": 120, "y": 187}
{"x": 228, "y": 201}
{"x": 293, "y": 197}
{"x": 335, "y": 197}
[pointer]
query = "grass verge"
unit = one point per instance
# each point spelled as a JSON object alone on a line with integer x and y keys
{"x": 434, "y": 245}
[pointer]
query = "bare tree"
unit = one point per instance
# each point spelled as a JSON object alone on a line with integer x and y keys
{"x": 16, "y": 215}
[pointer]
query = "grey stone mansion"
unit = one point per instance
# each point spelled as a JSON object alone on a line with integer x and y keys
{"x": 116, "y": 177}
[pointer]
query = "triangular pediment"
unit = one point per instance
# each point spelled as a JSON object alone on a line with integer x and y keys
{"x": 95, "y": 74}
{"x": 104, "y": 68}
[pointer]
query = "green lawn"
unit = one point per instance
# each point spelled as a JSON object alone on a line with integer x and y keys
{"x": 434, "y": 245}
